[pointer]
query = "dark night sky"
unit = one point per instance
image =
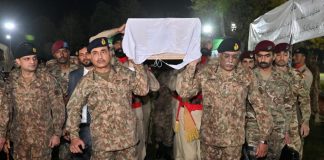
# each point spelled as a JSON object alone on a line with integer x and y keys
{"x": 24, "y": 11}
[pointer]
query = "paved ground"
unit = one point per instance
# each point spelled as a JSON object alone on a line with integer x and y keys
{"x": 314, "y": 143}
{"x": 313, "y": 148}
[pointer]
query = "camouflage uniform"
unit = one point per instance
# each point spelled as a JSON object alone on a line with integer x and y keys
{"x": 37, "y": 114}
{"x": 223, "y": 119}
{"x": 62, "y": 78}
{"x": 143, "y": 111}
{"x": 301, "y": 106}
{"x": 109, "y": 98}
{"x": 277, "y": 92}
{"x": 307, "y": 75}
{"x": 63, "y": 81}
{"x": 4, "y": 114}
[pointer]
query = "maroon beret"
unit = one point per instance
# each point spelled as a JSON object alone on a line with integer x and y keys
{"x": 281, "y": 47}
{"x": 264, "y": 45}
{"x": 58, "y": 45}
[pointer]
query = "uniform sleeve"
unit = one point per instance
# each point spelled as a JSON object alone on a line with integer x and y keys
{"x": 263, "y": 115}
{"x": 139, "y": 82}
{"x": 107, "y": 33}
{"x": 74, "y": 108}
{"x": 309, "y": 79}
{"x": 57, "y": 106}
{"x": 154, "y": 84}
{"x": 4, "y": 114}
{"x": 300, "y": 88}
{"x": 188, "y": 82}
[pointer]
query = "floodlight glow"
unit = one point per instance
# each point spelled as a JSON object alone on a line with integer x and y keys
{"x": 233, "y": 27}
{"x": 9, "y": 26}
{"x": 207, "y": 29}
{"x": 8, "y": 36}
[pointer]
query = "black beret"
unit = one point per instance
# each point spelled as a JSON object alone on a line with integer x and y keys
{"x": 99, "y": 42}
{"x": 118, "y": 37}
{"x": 247, "y": 54}
{"x": 25, "y": 49}
{"x": 300, "y": 51}
{"x": 229, "y": 45}
{"x": 264, "y": 45}
{"x": 281, "y": 47}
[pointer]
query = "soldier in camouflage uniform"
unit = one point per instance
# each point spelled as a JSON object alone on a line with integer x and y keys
{"x": 225, "y": 88}
{"x": 37, "y": 111}
{"x": 299, "y": 59}
{"x": 299, "y": 126}
{"x": 247, "y": 59}
{"x": 107, "y": 90}
{"x": 277, "y": 92}
{"x": 141, "y": 104}
{"x": 62, "y": 68}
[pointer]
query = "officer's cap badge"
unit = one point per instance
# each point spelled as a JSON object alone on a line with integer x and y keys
{"x": 236, "y": 47}
{"x": 103, "y": 42}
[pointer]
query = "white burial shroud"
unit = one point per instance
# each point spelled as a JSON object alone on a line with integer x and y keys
{"x": 162, "y": 39}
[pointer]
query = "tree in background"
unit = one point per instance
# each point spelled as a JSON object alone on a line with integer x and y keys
{"x": 128, "y": 9}
{"x": 73, "y": 30}
{"x": 104, "y": 17}
{"x": 223, "y": 13}
{"x": 43, "y": 31}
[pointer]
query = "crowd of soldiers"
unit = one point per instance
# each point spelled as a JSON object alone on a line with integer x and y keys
{"x": 250, "y": 105}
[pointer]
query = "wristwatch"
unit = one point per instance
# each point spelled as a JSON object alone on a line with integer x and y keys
{"x": 264, "y": 142}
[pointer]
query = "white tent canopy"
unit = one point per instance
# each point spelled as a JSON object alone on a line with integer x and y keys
{"x": 292, "y": 22}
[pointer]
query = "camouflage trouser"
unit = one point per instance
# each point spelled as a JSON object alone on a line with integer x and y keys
{"x": 276, "y": 143}
{"x": 220, "y": 153}
{"x": 252, "y": 136}
{"x": 31, "y": 152}
{"x": 296, "y": 140}
{"x": 125, "y": 154}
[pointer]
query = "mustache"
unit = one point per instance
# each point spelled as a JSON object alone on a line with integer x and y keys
{"x": 264, "y": 63}
{"x": 101, "y": 60}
